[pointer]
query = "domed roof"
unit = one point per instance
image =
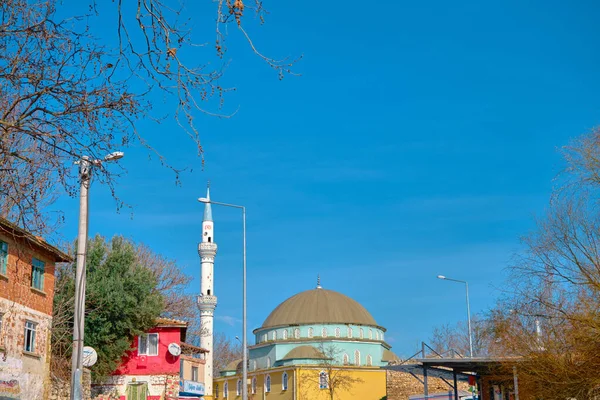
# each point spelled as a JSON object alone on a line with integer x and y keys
{"x": 319, "y": 306}
{"x": 304, "y": 352}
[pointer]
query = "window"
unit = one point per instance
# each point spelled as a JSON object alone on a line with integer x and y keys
{"x": 311, "y": 332}
{"x": 195, "y": 374}
{"x": 324, "y": 332}
{"x": 268, "y": 362}
{"x": 225, "y": 389}
{"x": 254, "y": 366}
{"x": 284, "y": 381}
{"x": 349, "y": 332}
{"x": 29, "y": 343}
{"x": 238, "y": 387}
{"x": 217, "y": 391}
{"x": 268, "y": 384}
{"x": 381, "y": 335}
{"x": 37, "y": 274}
{"x": 297, "y": 333}
{"x": 148, "y": 344}
{"x": 337, "y": 332}
{"x": 322, "y": 380}
{"x": 356, "y": 357}
{"x": 274, "y": 335}
{"x": 285, "y": 334}
{"x": 264, "y": 337}
{"x": 137, "y": 391}
{"x": 346, "y": 359}
{"x": 361, "y": 334}
{"x": 253, "y": 385}
{"x": 369, "y": 360}
{"x": 370, "y": 333}
{"x": 3, "y": 257}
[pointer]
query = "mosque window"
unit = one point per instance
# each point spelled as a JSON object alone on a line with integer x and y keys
{"x": 264, "y": 337}
{"x": 238, "y": 387}
{"x": 274, "y": 334}
{"x": 361, "y": 334}
{"x": 310, "y": 332}
{"x": 254, "y": 366}
{"x": 370, "y": 333}
{"x": 268, "y": 384}
{"x": 253, "y": 388}
{"x": 322, "y": 380}
{"x": 217, "y": 391}
{"x": 381, "y": 335}
{"x": 324, "y": 332}
{"x": 297, "y": 333}
{"x": 284, "y": 381}
{"x": 225, "y": 389}
{"x": 346, "y": 359}
{"x": 337, "y": 332}
{"x": 369, "y": 360}
{"x": 285, "y": 334}
{"x": 376, "y": 335}
{"x": 349, "y": 332}
{"x": 356, "y": 357}
{"x": 268, "y": 362}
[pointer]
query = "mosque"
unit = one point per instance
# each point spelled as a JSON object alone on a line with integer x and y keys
{"x": 318, "y": 344}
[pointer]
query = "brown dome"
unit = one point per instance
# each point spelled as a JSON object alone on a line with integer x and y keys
{"x": 319, "y": 306}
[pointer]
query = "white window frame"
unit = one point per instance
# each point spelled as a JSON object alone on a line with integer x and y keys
{"x": 268, "y": 362}
{"x": 323, "y": 380}
{"x": 346, "y": 359}
{"x": 357, "y": 358}
{"x": 147, "y": 336}
{"x": 253, "y": 387}
{"x": 361, "y": 333}
{"x": 350, "y": 332}
{"x": 284, "y": 381}
{"x": 264, "y": 337}
{"x": 311, "y": 332}
{"x": 371, "y": 334}
{"x": 216, "y": 390}
{"x": 197, "y": 374}
{"x": 225, "y": 389}
{"x": 324, "y": 332}
{"x": 338, "y": 332}
{"x": 268, "y": 383}
{"x": 238, "y": 387}
{"x": 29, "y": 341}
{"x": 285, "y": 334}
{"x": 3, "y": 257}
{"x": 297, "y": 333}
{"x": 369, "y": 361}
{"x": 254, "y": 365}
{"x": 274, "y": 335}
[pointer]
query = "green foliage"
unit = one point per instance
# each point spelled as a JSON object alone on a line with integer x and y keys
{"x": 121, "y": 301}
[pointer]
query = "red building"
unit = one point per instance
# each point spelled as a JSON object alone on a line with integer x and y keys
{"x": 160, "y": 366}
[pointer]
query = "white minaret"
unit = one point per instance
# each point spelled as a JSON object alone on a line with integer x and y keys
{"x": 207, "y": 301}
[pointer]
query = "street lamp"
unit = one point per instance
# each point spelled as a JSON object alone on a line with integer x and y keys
{"x": 85, "y": 177}
{"x": 468, "y": 310}
{"x": 244, "y": 338}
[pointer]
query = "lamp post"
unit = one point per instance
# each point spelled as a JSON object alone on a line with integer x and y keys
{"x": 468, "y": 310}
{"x": 85, "y": 177}
{"x": 244, "y": 338}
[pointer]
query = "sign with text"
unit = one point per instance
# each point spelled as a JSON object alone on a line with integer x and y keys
{"x": 192, "y": 387}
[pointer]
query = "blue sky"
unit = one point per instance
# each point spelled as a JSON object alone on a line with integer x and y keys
{"x": 420, "y": 139}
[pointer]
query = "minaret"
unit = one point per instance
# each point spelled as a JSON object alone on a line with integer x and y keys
{"x": 207, "y": 301}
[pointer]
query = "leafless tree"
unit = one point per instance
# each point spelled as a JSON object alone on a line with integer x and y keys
{"x": 66, "y": 93}
{"x": 455, "y": 338}
{"x": 225, "y": 351}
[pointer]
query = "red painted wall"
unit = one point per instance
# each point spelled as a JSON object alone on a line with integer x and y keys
{"x": 163, "y": 363}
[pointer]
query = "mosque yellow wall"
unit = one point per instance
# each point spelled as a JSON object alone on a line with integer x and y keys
{"x": 303, "y": 384}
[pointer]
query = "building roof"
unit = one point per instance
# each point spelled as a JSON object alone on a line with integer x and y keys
{"x": 319, "y": 306}
{"x": 233, "y": 366}
{"x": 170, "y": 322}
{"x": 389, "y": 356}
{"x": 20, "y": 233}
{"x": 304, "y": 352}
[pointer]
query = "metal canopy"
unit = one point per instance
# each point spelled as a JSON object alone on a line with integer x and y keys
{"x": 417, "y": 369}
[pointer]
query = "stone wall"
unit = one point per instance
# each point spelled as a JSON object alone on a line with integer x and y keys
{"x": 400, "y": 385}
{"x": 61, "y": 390}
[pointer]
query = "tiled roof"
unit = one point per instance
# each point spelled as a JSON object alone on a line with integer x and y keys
{"x": 14, "y": 230}
{"x": 162, "y": 321}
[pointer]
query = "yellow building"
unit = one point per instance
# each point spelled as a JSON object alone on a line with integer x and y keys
{"x": 318, "y": 344}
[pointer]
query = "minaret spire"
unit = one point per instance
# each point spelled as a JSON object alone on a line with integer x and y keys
{"x": 207, "y": 207}
{"x": 318, "y": 281}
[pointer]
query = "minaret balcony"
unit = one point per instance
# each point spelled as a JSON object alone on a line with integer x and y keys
{"x": 207, "y": 302}
{"x": 207, "y": 249}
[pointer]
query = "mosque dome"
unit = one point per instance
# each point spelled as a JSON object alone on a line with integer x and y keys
{"x": 319, "y": 306}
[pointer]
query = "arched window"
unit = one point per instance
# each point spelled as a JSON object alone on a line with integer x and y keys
{"x": 324, "y": 332}
{"x": 337, "y": 332}
{"x": 361, "y": 334}
{"x": 369, "y": 360}
{"x": 370, "y": 333}
{"x": 297, "y": 333}
{"x": 268, "y": 384}
{"x": 253, "y": 389}
{"x": 285, "y": 333}
{"x": 349, "y": 332}
{"x": 322, "y": 380}
{"x": 381, "y": 335}
{"x": 310, "y": 332}
{"x": 254, "y": 366}
{"x": 264, "y": 337}
{"x": 225, "y": 389}
{"x": 376, "y": 335}
{"x": 238, "y": 387}
{"x": 268, "y": 362}
{"x": 346, "y": 359}
{"x": 217, "y": 391}
{"x": 356, "y": 357}
{"x": 284, "y": 381}
{"x": 274, "y": 335}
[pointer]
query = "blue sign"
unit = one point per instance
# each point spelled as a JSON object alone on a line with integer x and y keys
{"x": 191, "y": 387}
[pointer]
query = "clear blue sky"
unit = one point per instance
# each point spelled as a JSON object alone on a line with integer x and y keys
{"x": 421, "y": 139}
